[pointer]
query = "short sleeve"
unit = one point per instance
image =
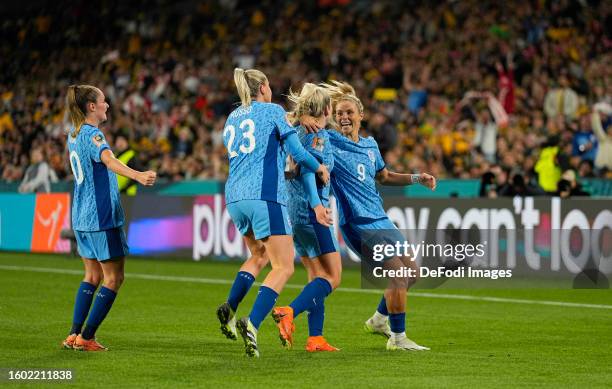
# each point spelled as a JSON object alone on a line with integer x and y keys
{"x": 335, "y": 136}
{"x": 96, "y": 144}
{"x": 280, "y": 121}
{"x": 379, "y": 162}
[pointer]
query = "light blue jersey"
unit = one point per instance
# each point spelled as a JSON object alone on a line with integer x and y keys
{"x": 354, "y": 178}
{"x": 95, "y": 204}
{"x": 253, "y": 137}
{"x": 320, "y": 147}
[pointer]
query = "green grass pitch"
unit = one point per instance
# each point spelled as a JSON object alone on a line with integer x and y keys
{"x": 164, "y": 333}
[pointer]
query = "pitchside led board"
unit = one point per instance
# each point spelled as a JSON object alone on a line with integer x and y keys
{"x": 33, "y": 223}
{"x": 548, "y": 232}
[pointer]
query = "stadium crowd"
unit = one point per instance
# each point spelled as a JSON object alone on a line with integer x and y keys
{"x": 516, "y": 93}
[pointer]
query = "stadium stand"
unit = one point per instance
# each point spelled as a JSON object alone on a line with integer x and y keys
{"x": 464, "y": 89}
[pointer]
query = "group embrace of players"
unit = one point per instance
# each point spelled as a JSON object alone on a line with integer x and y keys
{"x": 272, "y": 212}
{"x": 275, "y": 214}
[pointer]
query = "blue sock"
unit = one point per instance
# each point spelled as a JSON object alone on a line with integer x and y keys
{"x": 240, "y": 288}
{"x": 315, "y": 290}
{"x": 266, "y": 298}
{"x": 102, "y": 304}
{"x": 382, "y": 306}
{"x": 397, "y": 321}
{"x": 82, "y": 304}
{"x": 316, "y": 316}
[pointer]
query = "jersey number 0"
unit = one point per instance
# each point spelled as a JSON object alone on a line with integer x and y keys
{"x": 77, "y": 169}
{"x": 249, "y": 135}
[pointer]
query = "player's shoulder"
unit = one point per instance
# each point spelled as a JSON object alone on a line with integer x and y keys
{"x": 335, "y": 135}
{"x": 89, "y": 132}
{"x": 269, "y": 109}
{"x": 324, "y": 133}
{"x": 271, "y": 106}
{"x": 239, "y": 112}
{"x": 368, "y": 141}
{"x": 88, "y": 128}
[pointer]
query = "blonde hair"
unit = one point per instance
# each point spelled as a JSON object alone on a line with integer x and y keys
{"x": 77, "y": 98}
{"x": 342, "y": 91}
{"x": 312, "y": 100}
{"x": 248, "y": 83}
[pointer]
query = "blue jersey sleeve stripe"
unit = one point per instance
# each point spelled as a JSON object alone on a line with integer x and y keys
{"x": 286, "y": 134}
{"x": 104, "y": 147}
{"x": 269, "y": 183}
{"x": 103, "y": 198}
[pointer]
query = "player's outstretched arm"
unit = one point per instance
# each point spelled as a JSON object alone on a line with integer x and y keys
{"x": 145, "y": 178}
{"x": 389, "y": 178}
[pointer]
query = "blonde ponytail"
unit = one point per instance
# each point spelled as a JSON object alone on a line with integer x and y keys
{"x": 242, "y": 86}
{"x": 77, "y": 98}
{"x": 248, "y": 83}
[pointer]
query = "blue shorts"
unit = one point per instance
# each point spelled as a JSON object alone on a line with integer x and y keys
{"x": 312, "y": 240}
{"x": 362, "y": 237}
{"x": 263, "y": 218}
{"x": 102, "y": 245}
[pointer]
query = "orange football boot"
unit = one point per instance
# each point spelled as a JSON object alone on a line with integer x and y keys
{"x": 81, "y": 344}
{"x": 318, "y": 343}
{"x": 69, "y": 342}
{"x": 283, "y": 316}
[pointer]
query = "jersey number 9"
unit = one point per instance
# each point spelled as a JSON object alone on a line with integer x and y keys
{"x": 361, "y": 171}
{"x": 248, "y": 134}
{"x": 75, "y": 165}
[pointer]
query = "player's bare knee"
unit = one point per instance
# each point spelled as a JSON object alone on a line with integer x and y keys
{"x": 337, "y": 280}
{"x": 260, "y": 260}
{"x": 93, "y": 278}
{"x": 398, "y": 283}
{"x": 333, "y": 279}
{"x": 114, "y": 282}
{"x": 287, "y": 270}
{"x": 334, "y": 282}
{"x": 403, "y": 283}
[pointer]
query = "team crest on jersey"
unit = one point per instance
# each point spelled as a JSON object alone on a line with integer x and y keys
{"x": 318, "y": 144}
{"x": 98, "y": 140}
{"x": 371, "y": 156}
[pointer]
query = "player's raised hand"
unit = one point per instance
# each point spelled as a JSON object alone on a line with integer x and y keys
{"x": 428, "y": 180}
{"x": 147, "y": 178}
{"x": 323, "y": 174}
{"x": 324, "y": 215}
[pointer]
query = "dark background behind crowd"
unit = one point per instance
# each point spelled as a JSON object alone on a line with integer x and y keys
{"x": 514, "y": 93}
